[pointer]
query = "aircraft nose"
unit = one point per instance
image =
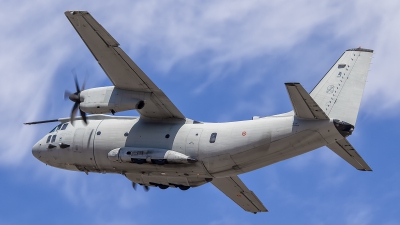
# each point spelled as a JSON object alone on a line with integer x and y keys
{"x": 36, "y": 150}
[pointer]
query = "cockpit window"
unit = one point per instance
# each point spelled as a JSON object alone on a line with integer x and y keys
{"x": 213, "y": 137}
{"x": 57, "y": 128}
{"x": 64, "y": 126}
{"x": 53, "y": 139}
{"x": 53, "y": 130}
{"x": 48, "y": 139}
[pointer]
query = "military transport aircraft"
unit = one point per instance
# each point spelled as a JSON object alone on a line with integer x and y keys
{"x": 162, "y": 148}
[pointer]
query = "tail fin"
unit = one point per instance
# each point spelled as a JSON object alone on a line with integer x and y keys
{"x": 340, "y": 90}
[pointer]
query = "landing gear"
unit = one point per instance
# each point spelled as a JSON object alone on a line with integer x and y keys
{"x": 162, "y": 186}
{"x": 138, "y": 161}
{"x": 183, "y": 188}
{"x": 159, "y": 161}
{"x": 154, "y": 161}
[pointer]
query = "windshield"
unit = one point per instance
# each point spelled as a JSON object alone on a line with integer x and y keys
{"x": 56, "y": 128}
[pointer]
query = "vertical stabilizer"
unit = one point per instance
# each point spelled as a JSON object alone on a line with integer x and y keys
{"x": 340, "y": 90}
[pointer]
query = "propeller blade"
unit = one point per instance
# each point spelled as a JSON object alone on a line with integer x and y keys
{"x": 83, "y": 114}
{"x": 76, "y": 84}
{"x": 134, "y": 185}
{"x": 146, "y": 188}
{"x": 73, "y": 112}
{"x": 84, "y": 83}
{"x": 75, "y": 97}
{"x": 66, "y": 94}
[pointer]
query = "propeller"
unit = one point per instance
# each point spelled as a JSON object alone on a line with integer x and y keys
{"x": 134, "y": 185}
{"x": 76, "y": 98}
{"x": 146, "y": 188}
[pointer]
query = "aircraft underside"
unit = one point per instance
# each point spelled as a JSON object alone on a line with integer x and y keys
{"x": 104, "y": 146}
{"x": 163, "y": 148}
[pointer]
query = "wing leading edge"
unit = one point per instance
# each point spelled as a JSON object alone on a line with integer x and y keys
{"x": 236, "y": 190}
{"x": 120, "y": 69}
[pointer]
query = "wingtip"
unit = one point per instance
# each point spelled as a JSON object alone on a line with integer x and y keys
{"x": 368, "y": 170}
{"x": 359, "y": 49}
{"x": 291, "y": 83}
{"x": 73, "y": 12}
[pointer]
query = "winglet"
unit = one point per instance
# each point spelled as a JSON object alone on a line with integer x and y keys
{"x": 304, "y": 105}
{"x": 347, "y": 152}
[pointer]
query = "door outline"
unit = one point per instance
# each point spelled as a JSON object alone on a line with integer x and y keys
{"x": 192, "y": 142}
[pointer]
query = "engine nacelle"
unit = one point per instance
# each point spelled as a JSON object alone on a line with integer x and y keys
{"x": 146, "y": 155}
{"x": 111, "y": 99}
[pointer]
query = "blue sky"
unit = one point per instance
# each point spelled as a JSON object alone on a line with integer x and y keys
{"x": 217, "y": 61}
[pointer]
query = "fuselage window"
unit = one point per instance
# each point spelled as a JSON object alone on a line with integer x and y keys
{"x": 64, "y": 126}
{"x": 213, "y": 137}
{"x": 53, "y": 139}
{"x": 48, "y": 139}
{"x": 58, "y": 127}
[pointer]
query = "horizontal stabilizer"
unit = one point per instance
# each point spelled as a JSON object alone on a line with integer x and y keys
{"x": 236, "y": 190}
{"x": 344, "y": 149}
{"x": 304, "y": 105}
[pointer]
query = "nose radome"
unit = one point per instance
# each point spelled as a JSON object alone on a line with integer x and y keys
{"x": 36, "y": 150}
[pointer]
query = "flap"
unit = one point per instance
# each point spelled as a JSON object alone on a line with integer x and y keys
{"x": 236, "y": 190}
{"x": 345, "y": 150}
{"x": 304, "y": 105}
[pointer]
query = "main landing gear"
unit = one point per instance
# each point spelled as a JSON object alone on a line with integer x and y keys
{"x": 161, "y": 186}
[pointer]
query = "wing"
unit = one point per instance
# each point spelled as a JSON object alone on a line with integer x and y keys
{"x": 344, "y": 149}
{"x": 236, "y": 190}
{"x": 121, "y": 70}
{"x": 304, "y": 105}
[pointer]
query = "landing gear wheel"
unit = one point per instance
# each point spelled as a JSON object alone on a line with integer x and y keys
{"x": 183, "y": 188}
{"x": 161, "y": 186}
{"x": 159, "y": 161}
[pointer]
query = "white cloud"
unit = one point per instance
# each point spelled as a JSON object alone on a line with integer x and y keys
{"x": 220, "y": 36}
{"x": 92, "y": 191}
{"x": 29, "y": 58}
{"x": 230, "y": 33}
